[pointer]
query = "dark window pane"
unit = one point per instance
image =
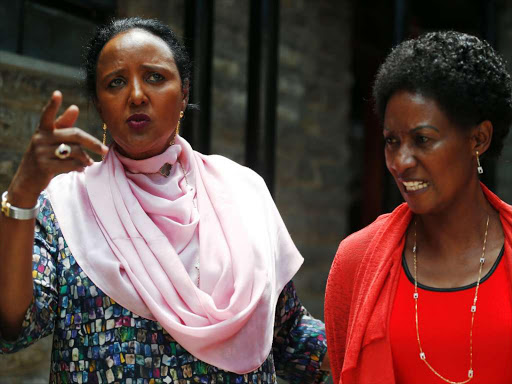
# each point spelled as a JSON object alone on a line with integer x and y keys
{"x": 54, "y": 35}
{"x": 10, "y": 24}
{"x": 103, "y": 5}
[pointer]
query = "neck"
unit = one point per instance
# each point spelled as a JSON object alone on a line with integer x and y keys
{"x": 461, "y": 225}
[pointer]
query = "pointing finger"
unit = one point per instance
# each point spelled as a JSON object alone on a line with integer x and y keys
{"x": 46, "y": 122}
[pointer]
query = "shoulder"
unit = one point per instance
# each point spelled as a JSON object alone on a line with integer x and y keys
{"x": 356, "y": 243}
{"x": 343, "y": 275}
{"x": 352, "y": 249}
{"x": 233, "y": 166}
{"x": 241, "y": 178}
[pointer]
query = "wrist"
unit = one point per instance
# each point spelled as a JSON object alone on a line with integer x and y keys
{"x": 21, "y": 193}
{"x": 16, "y": 209}
{"x": 25, "y": 200}
{"x": 14, "y": 212}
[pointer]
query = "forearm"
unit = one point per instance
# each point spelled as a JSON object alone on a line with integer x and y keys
{"x": 40, "y": 163}
{"x": 300, "y": 351}
{"x": 299, "y": 342}
{"x": 16, "y": 247}
{"x": 326, "y": 365}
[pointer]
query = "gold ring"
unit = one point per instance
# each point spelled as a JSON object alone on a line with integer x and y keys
{"x": 63, "y": 151}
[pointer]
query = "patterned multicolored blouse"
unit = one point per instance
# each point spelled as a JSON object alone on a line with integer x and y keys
{"x": 95, "y": 340}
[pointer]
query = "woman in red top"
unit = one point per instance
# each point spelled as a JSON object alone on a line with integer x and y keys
{"x": 423, "y": 295}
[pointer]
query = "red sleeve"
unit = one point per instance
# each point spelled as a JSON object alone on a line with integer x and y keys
{"x": 338, "y": 296}
{"x": 339, "y": 293}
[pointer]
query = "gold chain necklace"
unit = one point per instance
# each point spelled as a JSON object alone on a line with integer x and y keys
{"x": 423, "y": 357}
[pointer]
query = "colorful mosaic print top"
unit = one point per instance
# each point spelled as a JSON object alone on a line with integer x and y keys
{"x": 98, "y": 341}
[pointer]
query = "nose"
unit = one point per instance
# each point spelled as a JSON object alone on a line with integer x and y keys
{"x": 137, "y": 94}
{"x": 401, "y": 159}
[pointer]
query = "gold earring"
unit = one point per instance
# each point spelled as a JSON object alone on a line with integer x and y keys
{"x": 479, "y": 168}
{"x": 177, "y": 131}
{"x": 178, "y": 126}
{"x": 104, "y": 133}
{"x": 104, "y": 138}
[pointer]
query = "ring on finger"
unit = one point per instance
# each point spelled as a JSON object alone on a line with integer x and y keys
{"x": 63, "y": 151}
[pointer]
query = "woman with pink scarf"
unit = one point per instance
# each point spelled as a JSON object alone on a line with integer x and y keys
{"x": 157, "y": 264}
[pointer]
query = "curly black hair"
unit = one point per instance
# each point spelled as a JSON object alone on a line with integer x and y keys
{"x": 116, "y": 26}
{"x": 465, "y": 75}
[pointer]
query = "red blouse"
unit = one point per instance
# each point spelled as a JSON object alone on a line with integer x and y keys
{"x": 444, "y": 318}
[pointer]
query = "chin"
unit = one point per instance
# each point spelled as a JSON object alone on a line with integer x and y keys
{"x": 424, "y": 208}
{"x": 417, "y": 209}
{"x": 420, "y": 202}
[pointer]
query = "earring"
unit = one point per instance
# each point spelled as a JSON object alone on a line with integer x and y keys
{"x": 104, "y": 138}
{"x": 479, "y": 168}
{"x": 104, "y": 133}
{"x": 178, "y": 126}
{"x": 177, "y": 131}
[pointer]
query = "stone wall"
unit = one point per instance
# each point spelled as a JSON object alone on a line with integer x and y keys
{"x": 313, "y": 159}
{"x": 313, "y": 169}
{"x": 26, "y": 85}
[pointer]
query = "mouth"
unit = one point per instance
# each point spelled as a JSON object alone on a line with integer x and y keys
{"x": 138, "y": 120}
{"x": 416, "y": 185}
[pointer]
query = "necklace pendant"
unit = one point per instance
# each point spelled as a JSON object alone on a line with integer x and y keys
{"x": 470, "y": 373}
{"x": 165, "y": 170}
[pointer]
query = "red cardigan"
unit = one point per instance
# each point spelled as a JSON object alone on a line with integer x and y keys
{"x": 360, "y": 291}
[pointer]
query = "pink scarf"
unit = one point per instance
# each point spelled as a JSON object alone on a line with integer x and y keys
{"x": 139, "y": 236}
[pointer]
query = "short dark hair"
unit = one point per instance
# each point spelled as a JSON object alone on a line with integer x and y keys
{"x": 116, "y": 26}
{"x": 465, "y": 75}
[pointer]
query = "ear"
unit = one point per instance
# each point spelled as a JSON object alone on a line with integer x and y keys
{"x": 481, "y": 137}
{"x": 185, "y": 92}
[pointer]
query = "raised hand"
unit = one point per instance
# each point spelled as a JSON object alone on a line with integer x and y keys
{"x": 47, "y": 157}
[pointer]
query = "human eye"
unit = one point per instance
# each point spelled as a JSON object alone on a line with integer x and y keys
{"x": 390, "y": 140}
{"x": 115, "y": 83}
{"x": 155, "y": 78}
{"x": 421, "y": 139}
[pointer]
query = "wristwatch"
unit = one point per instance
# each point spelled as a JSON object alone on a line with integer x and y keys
{"x": 18, "y": 213}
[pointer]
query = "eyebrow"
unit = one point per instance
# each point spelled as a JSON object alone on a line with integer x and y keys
{"x": 110, "y": 74}
{"x": 155, "y": 67}
{"x": 144, "y": 66}
{"x": 422, "y": 126}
